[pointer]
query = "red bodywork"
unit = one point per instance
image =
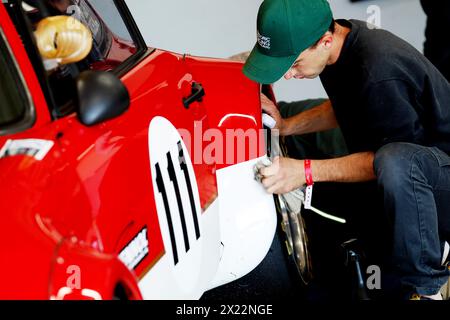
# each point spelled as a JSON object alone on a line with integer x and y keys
{"x": 93, "y": 191}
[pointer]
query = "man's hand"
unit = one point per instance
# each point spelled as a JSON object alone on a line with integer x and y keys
{"x": 284, "y": 175}
{"x": 241, "y": 57}
{"x": 271, "y": 109}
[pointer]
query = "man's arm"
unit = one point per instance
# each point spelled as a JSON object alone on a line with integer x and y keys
{"x": 285, "y": 174}
{"x": 317, "y": 119}
{"x": 357, "y": 167}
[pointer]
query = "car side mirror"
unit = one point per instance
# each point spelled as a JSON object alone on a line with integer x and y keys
{"x": 101, "y": 96}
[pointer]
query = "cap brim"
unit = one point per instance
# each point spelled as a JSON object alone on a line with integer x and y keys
{"x": 266, "y": 69}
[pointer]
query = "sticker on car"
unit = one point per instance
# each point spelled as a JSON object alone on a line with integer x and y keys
{"x": 136, "y": 250}
{"x": 176, "y": 196}
{"x": 35, "y": 148}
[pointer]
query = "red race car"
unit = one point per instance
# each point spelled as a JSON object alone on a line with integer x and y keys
{"x": 126, "y": 171}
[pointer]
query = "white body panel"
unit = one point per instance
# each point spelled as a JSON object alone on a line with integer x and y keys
{"x": 247, "y": 222}
{"x": 236, "y": 231}
{"x": 190, "y": 278}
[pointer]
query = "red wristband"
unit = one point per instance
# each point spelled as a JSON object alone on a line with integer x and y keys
{"x": 308, "y": 173}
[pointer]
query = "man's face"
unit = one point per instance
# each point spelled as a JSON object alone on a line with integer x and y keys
{"x": 310, "y": 63}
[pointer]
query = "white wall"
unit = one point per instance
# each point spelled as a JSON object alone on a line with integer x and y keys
{"x": 221, "y": 28}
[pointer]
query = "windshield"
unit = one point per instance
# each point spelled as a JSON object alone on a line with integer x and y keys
{"x": 112, "y": 43}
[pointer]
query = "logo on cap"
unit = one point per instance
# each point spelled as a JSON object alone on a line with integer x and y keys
{"x": 264, "y": 41}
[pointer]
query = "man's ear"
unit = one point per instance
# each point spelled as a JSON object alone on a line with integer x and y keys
{"x": 327, "y": 40}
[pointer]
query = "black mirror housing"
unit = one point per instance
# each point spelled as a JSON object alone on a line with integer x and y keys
{"x": 101, "y": 96}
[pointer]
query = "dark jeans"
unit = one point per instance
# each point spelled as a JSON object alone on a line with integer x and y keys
{"x": 415, "y": 183}
{"x": 413, "y": 191}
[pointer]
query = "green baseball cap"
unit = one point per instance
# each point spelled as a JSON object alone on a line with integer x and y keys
{"x": 285, "y": 29}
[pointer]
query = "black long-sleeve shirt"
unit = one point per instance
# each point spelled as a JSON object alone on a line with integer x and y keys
{"x": 383, "y": 90}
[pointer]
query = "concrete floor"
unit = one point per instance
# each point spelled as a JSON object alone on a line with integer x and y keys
{"x": 222, "y": 28}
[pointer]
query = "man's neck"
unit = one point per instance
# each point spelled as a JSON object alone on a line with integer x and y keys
{"x": 340, "y": 34}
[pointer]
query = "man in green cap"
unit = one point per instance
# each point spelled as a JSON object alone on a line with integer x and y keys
{"x": 393, "y": 108}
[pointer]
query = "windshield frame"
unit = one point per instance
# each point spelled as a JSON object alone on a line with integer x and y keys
{"x": 29, "y": 117}
{"x": 142, "y": 49}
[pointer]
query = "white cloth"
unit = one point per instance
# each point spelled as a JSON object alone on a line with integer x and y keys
{"x": 295, "y": 198}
